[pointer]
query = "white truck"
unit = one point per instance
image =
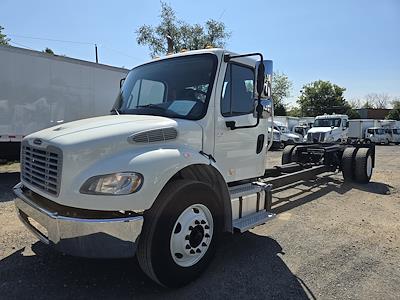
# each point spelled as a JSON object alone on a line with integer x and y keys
{"x": 366, "y": 130}
{"x": 39, "y": 90}
{"x": 287, "y": 121}
{"x": 287, "y": 137}
{"x": 328, "y": 129}
{"x": 393, "y": 135}
{"x": 180, "y": 161}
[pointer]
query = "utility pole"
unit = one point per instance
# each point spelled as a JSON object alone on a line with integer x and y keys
{"x": 97, "y": 56}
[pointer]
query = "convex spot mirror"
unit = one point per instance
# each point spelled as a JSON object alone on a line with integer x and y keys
{"x": 265, "y": 108}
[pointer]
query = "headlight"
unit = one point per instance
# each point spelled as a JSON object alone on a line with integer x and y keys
{"x": 113, "y": 184}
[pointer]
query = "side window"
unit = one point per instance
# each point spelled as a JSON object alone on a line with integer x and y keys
{"x": 146, "y": 92}
{"x": 238, "y": 91}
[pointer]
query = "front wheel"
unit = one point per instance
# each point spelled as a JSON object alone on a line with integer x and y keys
{"x": 180, "y": 233}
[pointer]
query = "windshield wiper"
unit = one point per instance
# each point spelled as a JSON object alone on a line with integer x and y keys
{"x": 115, "y": 110}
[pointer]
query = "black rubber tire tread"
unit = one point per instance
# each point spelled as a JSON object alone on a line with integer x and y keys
{"x": 287, "y": 154}
{"x": 348, "y": 164}
{"x": 151, "y": 231}
{"x": 360, "y": 170}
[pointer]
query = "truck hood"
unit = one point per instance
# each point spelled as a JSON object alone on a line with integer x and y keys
{"x": 321, "y": 129}
{"x": 113, "y": 132}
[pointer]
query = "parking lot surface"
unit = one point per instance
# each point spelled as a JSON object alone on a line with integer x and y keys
{"x": 330, "y": 240}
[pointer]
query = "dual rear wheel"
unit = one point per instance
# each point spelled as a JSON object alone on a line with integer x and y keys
{"x": 357, "y": 164}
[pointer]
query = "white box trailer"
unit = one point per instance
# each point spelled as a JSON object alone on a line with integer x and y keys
{"x": 287, "y": 121}
{"x": 38, "y": 90}
{"x": 357, "y": 127}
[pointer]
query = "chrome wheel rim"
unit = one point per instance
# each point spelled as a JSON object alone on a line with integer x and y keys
{"x": 191, "y": 235}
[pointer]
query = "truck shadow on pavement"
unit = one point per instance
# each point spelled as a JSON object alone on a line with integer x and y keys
{"x": 246, "y": 266}
{"x": 7, "y": 182}
{"x": 307, "y": 191}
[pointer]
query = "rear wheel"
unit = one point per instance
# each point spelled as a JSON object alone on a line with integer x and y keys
{"x": 287, "y": 154}
{"x": 348, "y": 164}
{"x": 363, "y": 165}
{"x": 180, "y": 233}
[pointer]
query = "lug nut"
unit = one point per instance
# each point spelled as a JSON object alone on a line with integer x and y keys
{"x": 207, "y": 227}
{"x": 196, "y": 222}
{"x": 204, "y": 244}
{"x": 188, "y": 246}
{"x": 192, "y": 251}
{"x": 190, "y": 227}
{"x": 187, "y": 237}
{"x": 207, "y": 235}
{"x": 203, "y": 222}
{"x": 198, "y": 251}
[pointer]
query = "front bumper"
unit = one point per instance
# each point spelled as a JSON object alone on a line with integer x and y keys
{"x": 80, "y": 234}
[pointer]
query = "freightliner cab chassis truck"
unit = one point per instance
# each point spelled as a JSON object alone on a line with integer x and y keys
{"x": 180, "y": 161}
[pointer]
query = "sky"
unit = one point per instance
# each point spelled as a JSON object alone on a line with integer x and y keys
{"x": 355, "y": 44}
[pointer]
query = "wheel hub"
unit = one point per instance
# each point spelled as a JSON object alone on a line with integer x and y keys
{"x": 191, "y": 235}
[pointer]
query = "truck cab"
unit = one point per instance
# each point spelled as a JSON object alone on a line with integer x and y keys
{"x": 328, "y": 129}
{"x": 184, "y": 128}
{"x": 287, "y": 137}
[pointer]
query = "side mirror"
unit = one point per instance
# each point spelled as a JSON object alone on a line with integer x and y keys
{"x": 266, "y": 67}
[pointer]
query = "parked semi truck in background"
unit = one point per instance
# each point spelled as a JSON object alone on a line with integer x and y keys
{"x": 181, "y": 160}
{"x": 39, "y": 90}
{"x": 328, "y": 129}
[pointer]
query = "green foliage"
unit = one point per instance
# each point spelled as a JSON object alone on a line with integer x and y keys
{"x": 281, "y": 88}
{"x": 321, "y": 97}
{"x": 394, "y": 114}
{"x": 3, "y": 37}
{"x": 48, "y": 51}
{"x": 294, "y": 112}
{"x": 172, "y": 35}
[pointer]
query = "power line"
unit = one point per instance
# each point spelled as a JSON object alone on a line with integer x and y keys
{"x": 73, "y": 42}
{"x": 46, "y": 39}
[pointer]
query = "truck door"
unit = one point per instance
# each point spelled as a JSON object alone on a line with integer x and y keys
{"x": 239, "y": 153}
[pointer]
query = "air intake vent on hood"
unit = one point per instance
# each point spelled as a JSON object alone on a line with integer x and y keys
{"x": 156, "y": 135}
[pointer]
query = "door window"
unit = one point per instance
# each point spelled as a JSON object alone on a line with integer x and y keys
{"x": 238, "y": 91}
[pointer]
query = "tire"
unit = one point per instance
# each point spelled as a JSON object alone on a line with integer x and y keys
{"x": 287, "y": 154}
{"x": 368, "y": 141}
{"x": 161, "y": 233}
{"x": 348, "y": 164}
{"x": 363, "y": 165}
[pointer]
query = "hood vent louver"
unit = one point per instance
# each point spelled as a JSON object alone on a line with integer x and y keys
{"x": 155, "y": 135}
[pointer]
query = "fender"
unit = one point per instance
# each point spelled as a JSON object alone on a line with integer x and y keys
{"x": 157, "y": 165}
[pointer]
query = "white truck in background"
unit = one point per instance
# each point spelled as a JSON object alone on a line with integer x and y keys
{"x": 328, "y": 129}
{"x": 287, "y": 137}
{"x": 181, "y": 161}
{"x": 39, "y": 90}
{"x": 367, "y": 130}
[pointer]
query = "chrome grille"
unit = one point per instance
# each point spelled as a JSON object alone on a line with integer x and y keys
{"x": 41, "y": 167}
{"x": 315, "y": 136}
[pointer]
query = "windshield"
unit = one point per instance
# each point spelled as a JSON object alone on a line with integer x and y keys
{"x": 178, "y": 87}
{"x": 327, "y": 122}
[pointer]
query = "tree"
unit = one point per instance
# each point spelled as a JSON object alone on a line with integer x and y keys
{"x": 394, "y": 114}
{"x": 367, "y": 104}
{"x": 377, "y": 100}
{"x": 294, "y": 111}
{"x": 3, "y": 37}
{"x": 281, "y": 88}
{"x": 172, "y": 35}
{"x": 321, "y": 97}
{"x": 48, "y": 51}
